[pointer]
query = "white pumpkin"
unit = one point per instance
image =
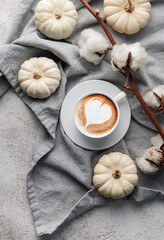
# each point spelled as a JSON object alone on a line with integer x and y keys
{"x": 56, "y": 19}
{"x": 39, "y": 77}
{"x": 127, "y": 16}
{"x": 115, "y": 175}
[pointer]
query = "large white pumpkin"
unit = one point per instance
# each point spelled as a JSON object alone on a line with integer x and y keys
{"x": 39, "y": 77}
{"x": 115, "y": 175}
{"x": 56, "y": 19}
{"x": 127, "y": 16}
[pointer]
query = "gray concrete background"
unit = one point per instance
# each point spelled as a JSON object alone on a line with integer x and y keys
{"x": 18, "y": 129}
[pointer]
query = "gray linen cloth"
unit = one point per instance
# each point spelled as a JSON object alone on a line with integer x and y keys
{"x": 60, "y": 179}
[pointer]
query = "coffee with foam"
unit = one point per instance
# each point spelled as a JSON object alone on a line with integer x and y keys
{"x": 96, "y": 115}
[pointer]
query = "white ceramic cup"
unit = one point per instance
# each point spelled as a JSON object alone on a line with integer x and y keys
{"x": 116, "y": 100}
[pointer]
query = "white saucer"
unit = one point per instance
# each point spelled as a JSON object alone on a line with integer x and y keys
{"x": 67, "y": 113}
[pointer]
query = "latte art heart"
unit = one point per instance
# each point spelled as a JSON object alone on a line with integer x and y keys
{"x": 96, "y": 111}
{"x": 96, "y": 114}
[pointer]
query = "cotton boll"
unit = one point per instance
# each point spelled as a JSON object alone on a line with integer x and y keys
{"x": 92, "y": 45}
{"x": 90, "y": 57}
{"x": 151, "y": 161}
{"x": 120, "y": 53}
{"x": 159, "y": 91}
{"x": 97, "y": 43}
{"x": 157, "y": 141}
{"x": 155, "y": 155}
{"x": 151, "y": 100}
{"x": 146, "y": 167}
{"x": 153, "y": 158}
{"x": 155, "y": 99}
{"x": 138, "y": 55}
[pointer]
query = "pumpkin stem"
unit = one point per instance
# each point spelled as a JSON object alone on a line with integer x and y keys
{"x": 129, "y": 7}
{"x": 37, "y": 75}
{"x": 58, "y": 15}
{"x": 116, "y": 174}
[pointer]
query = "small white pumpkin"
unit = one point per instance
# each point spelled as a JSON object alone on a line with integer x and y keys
{"x": 56, "y": 19}
{"x": 39, "y": 77}
{"x": 127, "y": 16}
{"x": 115, "y": 175}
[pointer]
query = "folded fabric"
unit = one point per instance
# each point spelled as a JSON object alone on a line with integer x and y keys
{"x": 60, "y": 179}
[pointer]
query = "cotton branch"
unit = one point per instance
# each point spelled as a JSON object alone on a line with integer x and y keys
{"x": 96, "y": 14}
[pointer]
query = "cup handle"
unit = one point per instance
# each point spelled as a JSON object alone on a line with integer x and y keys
{"x": 119, "y": 97}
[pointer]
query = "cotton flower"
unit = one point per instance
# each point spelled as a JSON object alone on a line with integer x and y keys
{"x": 159, "y": 91}
{"x": 151, "y": 100}
{"x": 92, "y": 46}
{"x": 155, "y": 99}
{"x": 119, "y": 56}
{"x": 153, "y": 158}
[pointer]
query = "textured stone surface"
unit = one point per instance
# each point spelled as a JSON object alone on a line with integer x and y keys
{"x": 18, "y": 129}
{"x": 7, "y": 10}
